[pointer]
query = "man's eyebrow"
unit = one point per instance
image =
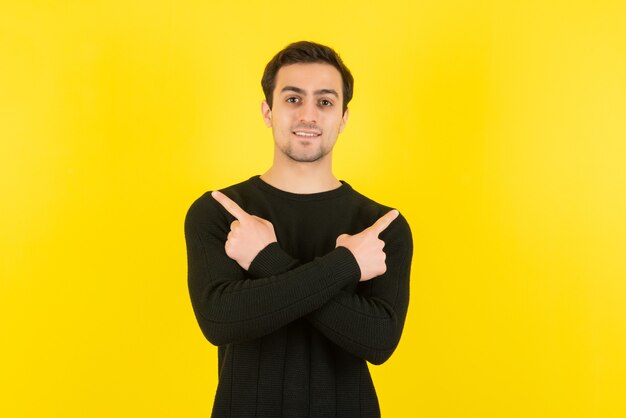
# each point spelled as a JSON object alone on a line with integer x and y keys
{"x": 316, "y": 92}
{"x": 294, "y": 89}
{"x": 327, "y": 91}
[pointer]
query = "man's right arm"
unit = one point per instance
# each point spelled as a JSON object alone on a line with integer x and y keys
{"x": 231, "y": 305}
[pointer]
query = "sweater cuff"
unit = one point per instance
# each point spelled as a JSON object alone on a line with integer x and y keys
{"x": 343, "y": 264}
{"x": 270, "y": 261}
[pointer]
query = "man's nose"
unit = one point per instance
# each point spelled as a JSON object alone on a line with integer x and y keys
{"x": 308, "y": 112}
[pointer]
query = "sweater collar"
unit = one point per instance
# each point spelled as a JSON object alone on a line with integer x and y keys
{"x": 329, "y": 194}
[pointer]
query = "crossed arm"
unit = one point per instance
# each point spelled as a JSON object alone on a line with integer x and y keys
{"x": 230, "y": 307}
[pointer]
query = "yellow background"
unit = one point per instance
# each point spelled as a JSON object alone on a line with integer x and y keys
{"x": 497, "y": 127}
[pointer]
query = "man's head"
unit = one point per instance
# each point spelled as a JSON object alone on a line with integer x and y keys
{"x": 306, "y": 53}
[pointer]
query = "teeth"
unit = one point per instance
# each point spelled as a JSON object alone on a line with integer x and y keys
{"x": 305, "y": 134}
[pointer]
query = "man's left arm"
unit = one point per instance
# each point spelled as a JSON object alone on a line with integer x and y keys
{"x": 367, "y": 322}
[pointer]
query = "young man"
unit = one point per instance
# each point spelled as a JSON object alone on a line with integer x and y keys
{"x": 287, "y": 271}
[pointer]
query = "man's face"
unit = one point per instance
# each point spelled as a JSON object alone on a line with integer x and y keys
{"x": 307, "y": 113}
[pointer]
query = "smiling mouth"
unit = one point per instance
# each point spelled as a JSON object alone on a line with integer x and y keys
{"x": 305, "y": 134}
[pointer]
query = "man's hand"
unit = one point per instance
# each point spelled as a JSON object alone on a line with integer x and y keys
{"x": 248, "y": 234}
{"x": 367, "y": 248}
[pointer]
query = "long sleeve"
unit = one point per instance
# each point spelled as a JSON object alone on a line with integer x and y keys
{"x": 367, "y": 322}
{"x": 232, "y": 305}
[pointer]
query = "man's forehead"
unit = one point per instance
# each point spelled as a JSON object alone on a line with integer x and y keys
{"x": 309, "y": 76}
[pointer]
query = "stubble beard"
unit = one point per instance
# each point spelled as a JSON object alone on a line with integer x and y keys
{"x": 307, "y": 155}
{"x": 304, "y": 157}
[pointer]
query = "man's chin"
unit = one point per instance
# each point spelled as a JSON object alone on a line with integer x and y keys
{"x": 305, "y": 158}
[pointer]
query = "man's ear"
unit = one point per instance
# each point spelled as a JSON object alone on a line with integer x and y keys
{"x": 266, "y": 111}
{"x": 344, "y": 120}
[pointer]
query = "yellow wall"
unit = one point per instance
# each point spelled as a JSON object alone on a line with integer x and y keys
{"x": 498, "y": 128}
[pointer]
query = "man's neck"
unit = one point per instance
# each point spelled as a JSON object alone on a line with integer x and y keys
{"x": 302, "y": 178}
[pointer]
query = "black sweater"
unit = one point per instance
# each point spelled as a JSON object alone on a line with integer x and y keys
{"x": 295, "y": 330}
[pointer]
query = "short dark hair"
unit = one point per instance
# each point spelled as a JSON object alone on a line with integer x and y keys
{"x": 304, "y": 52}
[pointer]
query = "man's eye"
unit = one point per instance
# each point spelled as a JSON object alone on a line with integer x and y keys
{"x": 325, "y": 102}
{"x": 292, "y": 100}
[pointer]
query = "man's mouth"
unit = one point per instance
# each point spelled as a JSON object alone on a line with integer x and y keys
{"x": 307, "y": 134}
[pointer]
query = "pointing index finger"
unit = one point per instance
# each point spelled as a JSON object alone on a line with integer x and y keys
{"x": 384, "y": 221}
{"x": 230, "y": 206}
